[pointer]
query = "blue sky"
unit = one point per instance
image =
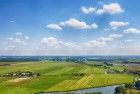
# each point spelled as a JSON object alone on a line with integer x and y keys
{"x": 69, "y": 27}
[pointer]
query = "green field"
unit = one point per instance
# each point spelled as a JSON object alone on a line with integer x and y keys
{"x": 57, "y": 76}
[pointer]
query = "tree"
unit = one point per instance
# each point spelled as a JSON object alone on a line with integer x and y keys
{"x": 137, "y": 84}
{"x": 119, "y": 90}
{"x": 129, "y": 85}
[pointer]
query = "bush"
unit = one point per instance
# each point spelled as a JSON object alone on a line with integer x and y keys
{"x": 119, "y": 90}
{"x": 130, "y": 85}
{"x": 137, "y": 84}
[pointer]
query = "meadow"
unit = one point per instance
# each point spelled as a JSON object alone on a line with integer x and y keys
{"x": 57, "y": 76}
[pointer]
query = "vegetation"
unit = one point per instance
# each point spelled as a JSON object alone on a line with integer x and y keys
{"x": 58, "y": 76}
{"x": 120, "y": 90}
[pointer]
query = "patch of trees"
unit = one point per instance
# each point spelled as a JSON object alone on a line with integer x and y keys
{"x": 129, "y": 85}
{"x": 108, "y": 64}
{"x": 20, "y": 74}
{"x": 137, "y": 85}
{"x": 78, "y": 74}
{"x": 129, "y": 62}
{"x": 98, "y": 65}
{"x": 5, "y": 64}
{"x": 127, "y": 71}
{"x": 120, "y": 90}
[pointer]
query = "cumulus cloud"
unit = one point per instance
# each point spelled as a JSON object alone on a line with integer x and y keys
{"x": 110, "y": 39}
{"x": 27, "y": 37}
{"x": 11, "y": 21}
{"x": 115, "y": 35}
{"x": 127, "y": 49}
{"x": 95, "y": 44}
{"x": 88, "y": 10}
{"x": 18, "y": 33}
{"x": 53, "y": 45}
{"x": 132, "y": 30}
{"x": 54, "y": 27}
{"x": 16, "y": 42}
{"x": 71, "y": 45}
{"x": 54, "y": 42}
{"x": 74, "y": 23}
{"x": 93, "y": 26}
{"x": 111, "y": 8}
{"x": 106, "y": 39}
{"x": 99, "y": 43}
{"x": 10, "y": 38}
{"x": 19, "y": 41}
{"x": 102, "y": 42}
{"x": 51, "y": 41}
{"x": 128, "y": 40}
{"x": 115, "y": 24}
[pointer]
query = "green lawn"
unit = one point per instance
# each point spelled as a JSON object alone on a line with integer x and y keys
{"x": 57, "y": 76}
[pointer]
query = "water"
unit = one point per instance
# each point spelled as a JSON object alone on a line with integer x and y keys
{"x": 103, "y": 90}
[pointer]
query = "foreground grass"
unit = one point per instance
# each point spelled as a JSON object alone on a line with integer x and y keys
{"x": 57, "y": 76}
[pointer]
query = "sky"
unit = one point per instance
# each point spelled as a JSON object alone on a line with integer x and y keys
{"x": 69, "y": 27}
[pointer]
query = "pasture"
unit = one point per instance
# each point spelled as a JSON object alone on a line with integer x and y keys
{"x": 57, "y": 76}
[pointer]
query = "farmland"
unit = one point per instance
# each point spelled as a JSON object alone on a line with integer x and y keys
{"x": 58, "y": 76}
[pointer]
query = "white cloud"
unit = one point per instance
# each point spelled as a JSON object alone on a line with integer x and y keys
{"x": 99, "y": 43}
{"x": 52, "y": 45}
{"x": 54, "y": 26}
{"x": 11, "y": 21}
{"x": 115, "y": 35}
{"x": 93, "y": 26}
{"x": 128, "y": 49}
{"x": 95, "y": 43}
{"x": 51, "y": 41}
{"x": 27, "y": 37}
{"x": 71, "y": 45}
{"x": 74, "y": 23}
{"x": 19, "y": 41}
{"x": 100, "y": 11}
{"x": 111, "y": 8}
{"x": 106, "y": 39}
{"x": 111, "y": 37}
{"x": 132, "y": 30}
{"x": 10, "y": 46}
{"x": 116, "y": 24}
{"x": 18, "y": 34}
{"x": 54, "y": 42}
{"x": 88, "y": 10}
{"x": 10, "y": 38}
{"x": 15, "y": 43}
{"x": 128, "y": 40}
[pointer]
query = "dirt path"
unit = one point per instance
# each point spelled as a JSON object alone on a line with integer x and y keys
{"x": 18, "y": 80}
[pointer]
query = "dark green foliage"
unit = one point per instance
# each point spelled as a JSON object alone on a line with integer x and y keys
{"x": 120, "y": 90}
{"x": 129, "y": 85}
{"x": 137, "y": 84}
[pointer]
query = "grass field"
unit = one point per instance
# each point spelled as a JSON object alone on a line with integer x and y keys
{"x": 57, "y": 76}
